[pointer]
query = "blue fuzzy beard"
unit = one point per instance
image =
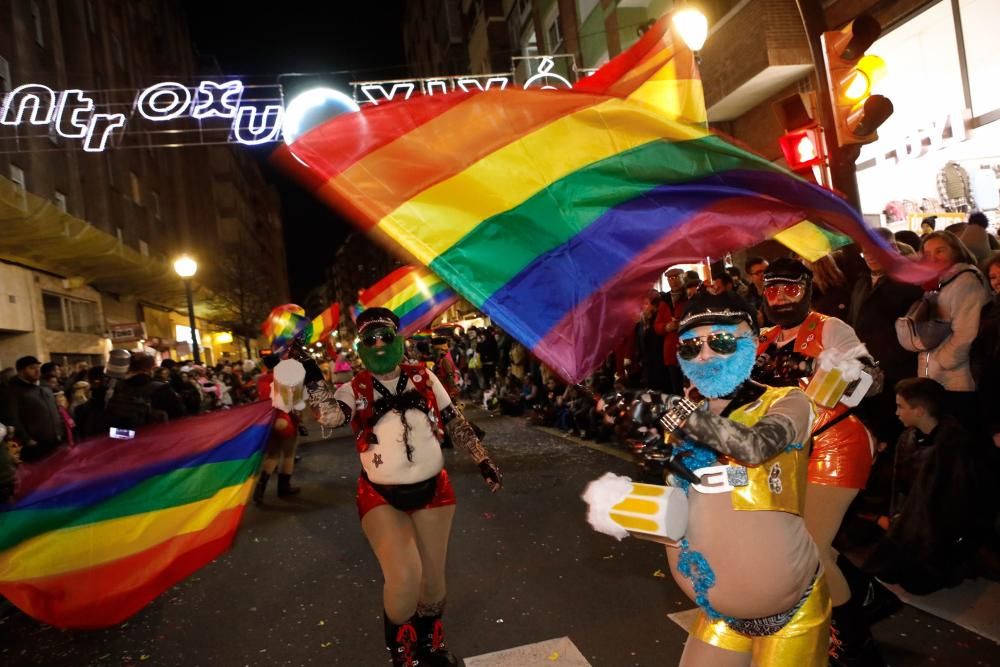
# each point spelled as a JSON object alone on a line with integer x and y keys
{"x": 722, "y": 374}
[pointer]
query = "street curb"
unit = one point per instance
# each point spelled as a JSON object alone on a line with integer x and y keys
{"x": 597, "y": 447}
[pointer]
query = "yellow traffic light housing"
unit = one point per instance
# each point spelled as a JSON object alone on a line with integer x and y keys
{"x": 851, "y": 75}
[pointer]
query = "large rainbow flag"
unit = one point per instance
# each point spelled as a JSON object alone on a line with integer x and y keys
{"x": 416, "y": 295}
{"x": 100, "y": 530}
{"x": 553, "y": 211}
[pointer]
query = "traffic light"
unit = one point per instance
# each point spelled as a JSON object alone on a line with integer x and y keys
{"x": 851, "y": 74}
{"x": 802, "y": 148}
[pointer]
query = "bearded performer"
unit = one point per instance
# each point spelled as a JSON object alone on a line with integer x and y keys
{"x": 790, "y": 354}
{"x": 745, "y": 557}
{"x": 399, "y": 414}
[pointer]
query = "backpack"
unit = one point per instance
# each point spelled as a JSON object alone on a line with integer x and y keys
{"x": 131, "y": 406}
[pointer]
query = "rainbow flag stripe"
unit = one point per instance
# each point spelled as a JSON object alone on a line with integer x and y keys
{"x": 98, "y": 531}
{"x": 416, "y": 295}
{"x": 552, "y": 211}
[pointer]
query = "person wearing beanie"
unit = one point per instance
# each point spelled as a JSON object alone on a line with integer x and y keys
{"x": 746, "y": 559}
{"x": 282, "y": 443}
{"x": 399, "y": 414}
{"x": 789, "y": 355}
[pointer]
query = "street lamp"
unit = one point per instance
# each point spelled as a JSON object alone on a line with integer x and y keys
{"x": 186, "y": 267}
{"x": 692, "y": 26}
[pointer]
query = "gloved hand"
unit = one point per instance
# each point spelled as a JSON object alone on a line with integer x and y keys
{"x": 298, "y": 352}
{"x": 491, "y": 473}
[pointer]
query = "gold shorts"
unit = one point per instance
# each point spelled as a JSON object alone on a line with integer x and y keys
{"x": 803, "y": 641}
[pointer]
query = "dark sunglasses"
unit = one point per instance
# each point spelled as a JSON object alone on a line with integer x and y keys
{"x": 386, "y": 337}
{"x": 721, "y": 343}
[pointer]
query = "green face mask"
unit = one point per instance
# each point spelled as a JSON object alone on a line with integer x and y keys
{"x": 383, "y": 358}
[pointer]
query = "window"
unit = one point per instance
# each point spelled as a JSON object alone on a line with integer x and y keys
{"x": 5, "y": 82}
{"x": 120, "y": 233}
{"x": 17, "y": 175}
{"x": 116, "y": 45}
{"x": 59, "y": 199}
{"x": 584, "y": 7}
{"x": 63, "y": 313}
{"x": 143, "y": 248}
{"x": 36, "y": 18}
{"x": 154, "y": 203}
{"x": 979, "y": 21}
{"x": 91, "y": 18}
{"x": 136, "y": 188}
{"x": 554, "y": 35}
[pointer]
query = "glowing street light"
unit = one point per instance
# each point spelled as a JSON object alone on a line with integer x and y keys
{"x": 186, "y": 267}
{"x": 692, "y": 26}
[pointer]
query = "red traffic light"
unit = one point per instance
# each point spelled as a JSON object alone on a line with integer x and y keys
{"x": 803, "y": 148}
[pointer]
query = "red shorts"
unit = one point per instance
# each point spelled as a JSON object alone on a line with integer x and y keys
{"x": 842, "y": 455}
{"x": 369, "y": 498}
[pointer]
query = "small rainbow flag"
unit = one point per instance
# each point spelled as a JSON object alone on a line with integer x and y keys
{"x": 553, "y": 211}
{"x": 416, "y": 295}
{"x": 98, "y": 531}
{"x": 289, "y": 320}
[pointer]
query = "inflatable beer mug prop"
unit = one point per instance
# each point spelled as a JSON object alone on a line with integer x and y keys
{"x": 836, "y": 371}
{"x": 619, "y": 506}
{"x": 287, "y": 388}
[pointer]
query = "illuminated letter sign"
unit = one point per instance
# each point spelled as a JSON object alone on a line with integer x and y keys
{"x": 406, "y": 87}
{"x": 78, "y": 107}
{"x": 467, "y": 84}
{"x": 253, "y": 126}
{"x": 114, "y": 121}
{"x": 164, "y": 101}
{"x": 221, "y": 100}
{"x": 41, "y": 98}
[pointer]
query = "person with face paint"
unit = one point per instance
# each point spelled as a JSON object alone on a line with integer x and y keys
{"x": 842, "y": 447}
{"x": 746, "y": 559}
{"x": 399, "y": 414}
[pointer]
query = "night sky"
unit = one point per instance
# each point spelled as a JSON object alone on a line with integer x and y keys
{"x": 352, "y": 41}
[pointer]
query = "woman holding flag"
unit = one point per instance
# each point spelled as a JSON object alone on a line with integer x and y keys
{"x": 399, "y": 414}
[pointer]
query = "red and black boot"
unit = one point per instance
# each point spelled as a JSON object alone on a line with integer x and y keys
{"x": 402, "y": 642}
{"x": 432, "y": 650}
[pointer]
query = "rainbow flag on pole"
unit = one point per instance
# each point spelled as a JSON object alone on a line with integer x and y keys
{"x": 289, "y": 320}
{"x": 416, "y": 295}
{"x": 100, "y": 530}
{"x": 553, "y": 211}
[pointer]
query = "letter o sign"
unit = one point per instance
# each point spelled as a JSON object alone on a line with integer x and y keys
{"x": 164, "y": 101}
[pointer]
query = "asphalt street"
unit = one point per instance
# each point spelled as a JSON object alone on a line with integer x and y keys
{"x": 301, "y": 587}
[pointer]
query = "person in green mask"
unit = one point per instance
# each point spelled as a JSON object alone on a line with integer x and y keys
{"x": 400, "y": 414}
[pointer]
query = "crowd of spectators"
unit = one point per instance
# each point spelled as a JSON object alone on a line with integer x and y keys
{"x": 44, "y": 407}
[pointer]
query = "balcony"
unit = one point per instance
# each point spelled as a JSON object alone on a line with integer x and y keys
{"x": 752, "y": 53}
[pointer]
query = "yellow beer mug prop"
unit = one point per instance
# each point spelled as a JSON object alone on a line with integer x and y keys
{"x": 619, "y": 506}
{"x": 835, "y": 372}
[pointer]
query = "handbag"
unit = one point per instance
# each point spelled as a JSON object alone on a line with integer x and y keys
{"x": 920, "y": 329}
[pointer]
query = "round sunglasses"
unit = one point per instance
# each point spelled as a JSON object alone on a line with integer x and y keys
{"x": 720, "y": 343}
{"x": 369, "y": 340}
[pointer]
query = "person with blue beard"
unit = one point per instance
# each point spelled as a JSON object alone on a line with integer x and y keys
{"x": 747, "y": 559}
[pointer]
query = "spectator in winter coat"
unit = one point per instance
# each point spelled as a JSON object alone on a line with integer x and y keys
{"x": 39, "y": 427}
{"x": 961, "y": 295}
{"x": 984, "y": 355}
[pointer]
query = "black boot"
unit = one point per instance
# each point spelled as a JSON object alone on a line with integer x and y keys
{"x": 285, "y": 487}
{"x": 401, "y": 641}
{"x": 258, "y": 490}
{"x": 851, "y": 643}
{"x": 433, "y": 652}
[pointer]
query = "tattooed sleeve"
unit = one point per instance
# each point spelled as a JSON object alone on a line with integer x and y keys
{"x": 750, "y": 445}
{"x": 328, "y": 411}
{"x": 461, "y": 433}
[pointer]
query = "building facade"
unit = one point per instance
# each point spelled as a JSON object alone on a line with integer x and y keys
{"x": 87, "y": 238}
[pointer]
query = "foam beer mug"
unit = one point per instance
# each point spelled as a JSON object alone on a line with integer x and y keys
{"x": 828, "y": 387}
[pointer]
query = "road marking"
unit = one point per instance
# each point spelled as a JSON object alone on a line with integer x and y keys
{"x": 559, "y": 652}
{"x": 604, "y": 449}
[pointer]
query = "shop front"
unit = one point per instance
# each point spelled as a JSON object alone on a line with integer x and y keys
{"x": 939, "y": 153}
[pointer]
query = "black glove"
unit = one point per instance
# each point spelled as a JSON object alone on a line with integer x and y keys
{"x": 491, "y": 473}
{"x": 296, "y": 351}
